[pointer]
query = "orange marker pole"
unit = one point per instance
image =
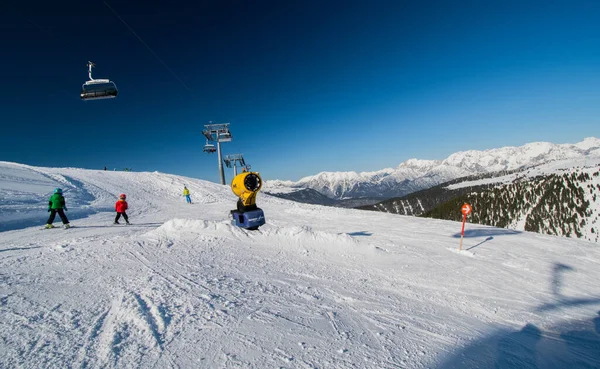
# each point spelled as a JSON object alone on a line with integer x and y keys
{"x": 462, "y": 232}
{"x": 466, "y": 209}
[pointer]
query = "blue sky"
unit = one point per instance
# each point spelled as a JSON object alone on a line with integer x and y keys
{"x": 308, "y": 86}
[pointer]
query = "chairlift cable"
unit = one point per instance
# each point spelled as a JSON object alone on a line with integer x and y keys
{"x": 148, "y": 47}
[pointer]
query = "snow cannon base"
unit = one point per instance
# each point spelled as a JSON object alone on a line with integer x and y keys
{"x": 250, "y": 220}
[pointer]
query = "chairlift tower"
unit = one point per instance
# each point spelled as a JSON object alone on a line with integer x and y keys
{"x": 233, "y": 160}
{"x": 217, "y": 133}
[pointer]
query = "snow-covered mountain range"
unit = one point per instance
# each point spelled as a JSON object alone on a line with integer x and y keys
{"x": 414, "y": 174}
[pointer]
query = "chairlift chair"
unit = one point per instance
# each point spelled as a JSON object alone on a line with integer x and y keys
{"x": 209, "y": 148}
{"x": 225, "y": 136}
{"x": 96, "y": 89}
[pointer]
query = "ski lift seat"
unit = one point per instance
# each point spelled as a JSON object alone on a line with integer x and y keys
{"x": 209, "y": 148}
{"x": 225, "y": 137}
{"x": 98, "y": 89}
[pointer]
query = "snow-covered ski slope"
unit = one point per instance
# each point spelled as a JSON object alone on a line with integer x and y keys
{"x": 315, "y": 287}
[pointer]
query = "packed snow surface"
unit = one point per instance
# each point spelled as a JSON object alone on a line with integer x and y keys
{"x": 315, "y": 287}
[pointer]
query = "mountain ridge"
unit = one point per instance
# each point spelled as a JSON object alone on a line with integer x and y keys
{"x": 417, "y": 174}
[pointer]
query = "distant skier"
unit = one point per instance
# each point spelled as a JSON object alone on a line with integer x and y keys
{"x": 120, "y": 207}
{"x": 58, "y": 205}
{"x": 186, "y": 193}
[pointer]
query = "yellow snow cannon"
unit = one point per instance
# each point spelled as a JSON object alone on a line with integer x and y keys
{"x": 247, "y": 215}
{"x": 245, "y": 185}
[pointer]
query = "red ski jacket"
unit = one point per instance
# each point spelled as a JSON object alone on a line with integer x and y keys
{"x": 121, "y": 206}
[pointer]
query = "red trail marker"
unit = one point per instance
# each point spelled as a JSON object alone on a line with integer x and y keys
{"x": 466, "y": 209}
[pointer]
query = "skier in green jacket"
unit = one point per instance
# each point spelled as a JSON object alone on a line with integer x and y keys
{"x": 57, "y": 205}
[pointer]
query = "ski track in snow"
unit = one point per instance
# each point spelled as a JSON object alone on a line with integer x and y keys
{"x": 315, "y": 287}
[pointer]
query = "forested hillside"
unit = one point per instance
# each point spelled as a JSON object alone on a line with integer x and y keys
{"x": 564, "y": 203}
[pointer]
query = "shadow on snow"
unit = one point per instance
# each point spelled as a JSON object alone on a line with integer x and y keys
{"x": 38, "y": 217}
{"x": 360, "y": 233}
{"x": 487, "y": 232}
{"x": 487, "y": 239}
{"x": 20, "y": 248}
{"x": 148, "y": 225}
{"x": 571, "y": 344}
{"x": 29, "y": 210}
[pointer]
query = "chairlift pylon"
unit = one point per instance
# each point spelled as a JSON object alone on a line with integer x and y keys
{"x": 96, "y": 89}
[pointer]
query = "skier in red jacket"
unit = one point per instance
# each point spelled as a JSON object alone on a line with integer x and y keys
{"x": 120, "y": 207}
